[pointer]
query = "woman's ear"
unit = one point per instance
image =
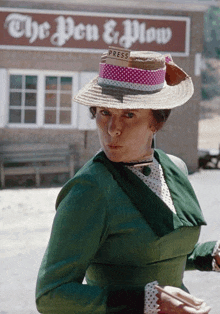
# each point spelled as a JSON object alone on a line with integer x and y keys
{"x": 152, "y": 123}
{"x": 153, "y": 128}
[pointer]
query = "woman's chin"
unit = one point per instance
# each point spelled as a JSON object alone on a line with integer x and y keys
{"x": 114, "y": 156}
{"x": 117, "y": 157}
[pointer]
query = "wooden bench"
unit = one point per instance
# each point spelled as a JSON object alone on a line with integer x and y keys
{"x": 36, "y": 159}
{"x": 209, "y": 159}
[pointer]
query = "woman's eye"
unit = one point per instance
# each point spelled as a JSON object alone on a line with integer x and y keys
{"x": 129, "y": 115}
{"x": 105, "y": 112}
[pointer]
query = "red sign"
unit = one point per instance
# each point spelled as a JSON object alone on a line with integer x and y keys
{"x": 92, "y": 32}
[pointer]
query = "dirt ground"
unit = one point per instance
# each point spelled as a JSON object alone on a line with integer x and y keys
{"x": 26, "y": 218}
{"x": 26, "y": 215}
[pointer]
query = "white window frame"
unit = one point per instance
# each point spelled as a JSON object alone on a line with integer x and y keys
{"x": 76, "y": 119}
{"x": 4, "y": 97}
{"x": 23, "y": 90}
{"x": 41, "y": 98}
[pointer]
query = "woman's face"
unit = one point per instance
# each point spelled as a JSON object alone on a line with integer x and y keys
{"x": 125, "y": 134}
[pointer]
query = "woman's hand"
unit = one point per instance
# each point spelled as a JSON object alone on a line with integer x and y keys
{"x": 170, "y": 305}
{"x": 217, "y": 258}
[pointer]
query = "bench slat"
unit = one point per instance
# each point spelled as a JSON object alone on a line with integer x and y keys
{"x": 21, "y": 159}
{"x": 32, "y": 147}
{"x": 19, "y": 170}
{"x": 30, "y": 158}
{"x": 41, "y": 170}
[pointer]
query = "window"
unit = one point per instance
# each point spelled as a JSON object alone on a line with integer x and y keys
{"x": 58, "y": 99}
{"x": 22, "y": 99}
{"x": 45, "y": 99}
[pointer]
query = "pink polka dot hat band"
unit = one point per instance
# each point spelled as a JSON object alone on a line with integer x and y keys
{"x": 137, "y": 80}
{"x": 132, "y": 78}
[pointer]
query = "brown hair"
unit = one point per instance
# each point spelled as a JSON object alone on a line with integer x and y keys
{"x": 160, "y": 116}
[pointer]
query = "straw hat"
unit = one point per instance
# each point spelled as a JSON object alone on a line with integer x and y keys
{"x": 137, "y": 80}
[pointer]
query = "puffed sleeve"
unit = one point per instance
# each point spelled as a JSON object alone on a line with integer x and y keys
{"x": 79, "y": 229}
{"x": 201, "y": 257}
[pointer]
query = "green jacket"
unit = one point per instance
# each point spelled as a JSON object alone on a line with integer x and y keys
{"x": 110, "y": 226}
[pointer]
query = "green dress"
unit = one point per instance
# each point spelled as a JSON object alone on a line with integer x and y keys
{"x": 110, "y": 226}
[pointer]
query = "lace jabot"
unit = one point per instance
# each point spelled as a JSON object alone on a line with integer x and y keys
{"x": 153, "y": 177}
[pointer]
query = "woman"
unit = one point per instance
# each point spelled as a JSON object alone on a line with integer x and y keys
{"x": 129, "y": 219}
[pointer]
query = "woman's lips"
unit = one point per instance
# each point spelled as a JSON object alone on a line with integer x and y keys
{"x": 114, "y": 146}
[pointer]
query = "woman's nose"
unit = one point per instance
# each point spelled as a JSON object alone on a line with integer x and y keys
{"x": 114, "y": 127}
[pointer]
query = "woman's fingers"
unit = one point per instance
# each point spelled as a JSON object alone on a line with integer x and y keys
{"x": 175, "y": 300}
{"x": 182, "y": 309}
{"x": 202, "y": 309}
{"x": 188, "y": 297}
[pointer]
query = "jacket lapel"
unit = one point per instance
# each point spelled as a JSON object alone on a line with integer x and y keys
{"x": 183, "y": 195}
{"x": 159, "y": 217}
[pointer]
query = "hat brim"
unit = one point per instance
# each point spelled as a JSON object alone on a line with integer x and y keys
{"x": 169, "y": 97}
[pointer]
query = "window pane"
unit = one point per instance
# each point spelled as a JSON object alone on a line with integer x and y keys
{"x": 14, "y": 116}
{"x": 31, "y": 82}
{"x": 50, "y": 100}
{"x": 51, "y": 82}
{"x": 65, "y": 117}
{"x": 50, "y": 116}
{"x": 30, "y": 99}
{"x": 66, "y": 83}
{"x": 15, "y": 99}
{"x": 30, "y": 116}
{"x": 65, "y": 100}
{"x": 16, "y": 81}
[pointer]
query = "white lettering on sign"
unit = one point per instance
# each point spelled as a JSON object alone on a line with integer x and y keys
{"x": 109, "y": 35}
{"x": 20, "y": 25}
{"x": 66, "y": 29}
{"x": 64, "y": 32}
{"x": 135, "y": 31}
{"x": 131, "y": 33}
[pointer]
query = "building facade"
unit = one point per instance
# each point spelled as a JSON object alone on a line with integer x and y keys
{"x": 49, "y": 51}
